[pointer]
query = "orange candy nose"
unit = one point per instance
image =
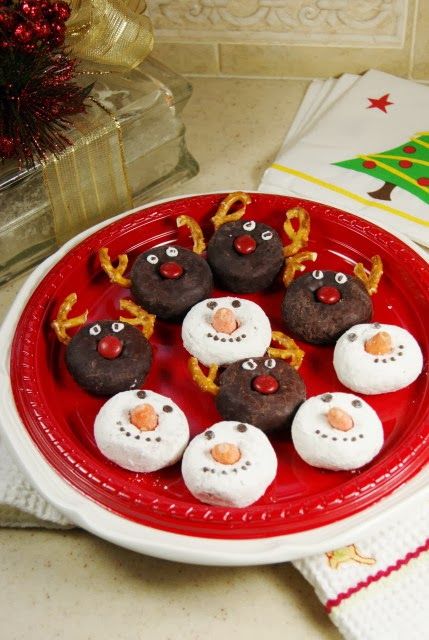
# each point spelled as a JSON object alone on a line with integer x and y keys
{"x": 224, "y": 321}
{"x": 339, "y": 419}
{"x": 380, "y": 344}
{"x": 226, "y": 453}
{"x": 144, "y": 417}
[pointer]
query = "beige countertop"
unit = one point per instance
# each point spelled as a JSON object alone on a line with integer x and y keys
{"x": 69, "y": 584}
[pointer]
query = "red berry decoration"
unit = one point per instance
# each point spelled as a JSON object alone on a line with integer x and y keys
{"x": 171, "y": 270}
{"x": 265, "y": 384}
{"x": 423, "y": 182}
{"x": 30, "y": 8}
{"x": 110, "y": 347}
{"x": 409, "y": 149}
{"x": 369, "y": 164}
{"x": 244, "y": 245}
{"x": 405, "y": 164}
{"x": 23, "y": 33}
{"x": 38, "y": 94}
{"x": 328, "y": 295}
{"x": 61, "y": 10}
{"x": 42, "y": 29}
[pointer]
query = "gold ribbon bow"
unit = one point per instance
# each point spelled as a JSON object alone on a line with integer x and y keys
{"x": 110, "y": 32}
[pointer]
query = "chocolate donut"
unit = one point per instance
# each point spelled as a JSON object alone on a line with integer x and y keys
{"x": 245, "y": 256}
{"x": 168, "y": 281}
{"x": 264, "y": 392}
{"x": 107, "y": 357}
{"x": 319, "y": 306}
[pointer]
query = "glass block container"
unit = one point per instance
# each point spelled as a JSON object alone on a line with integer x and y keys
{"x": 147, "y": 101}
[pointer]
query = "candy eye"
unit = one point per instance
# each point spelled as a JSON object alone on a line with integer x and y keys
{"x": 340, "y": 278}
{"x": 117, "y": 327}
{"x": 249, "y": 225}
{"x": 267, "y": 235}
{"x": 356, "y": 403}
{"x": 318, "y": 275}
{"x": 172, "y": 252}
{"x": 95, "y": 330}
{"x": 152, "y": 258}
{"x": 241, "y": 427}
{"x": 212, "y": 304}
{"x": 249, "y": 365}
{"x": 270, "y": 363}
{"x": 327, "y": 397}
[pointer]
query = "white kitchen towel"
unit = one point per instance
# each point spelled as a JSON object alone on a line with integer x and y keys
{"x": 367, "y": 152}
{"x": 20, "y": 504}
{"x": 376, "y": 588}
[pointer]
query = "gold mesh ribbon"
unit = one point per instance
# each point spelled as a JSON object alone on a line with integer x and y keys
{"x": 110, "y": 32}
{"x": 87, "y": 182}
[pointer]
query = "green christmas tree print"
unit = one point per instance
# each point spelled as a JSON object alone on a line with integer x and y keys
{"x": 406, "y": 166}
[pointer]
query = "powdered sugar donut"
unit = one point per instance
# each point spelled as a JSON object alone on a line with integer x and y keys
{"x": 230, "y": 464}
{"x": 223, "y": 330}
{"x": 377, "y": 358}
{"x": 141, "y": 430}
{"x": 337, "y": 431}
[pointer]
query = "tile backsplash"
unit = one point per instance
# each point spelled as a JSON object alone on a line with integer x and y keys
{"x": 292, "y": 38}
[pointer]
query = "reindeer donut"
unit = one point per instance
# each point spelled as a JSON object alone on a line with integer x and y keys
{"x": 106, "y": 356}
{"x": 264, "y": 391}
{"x": 244, "y": 255}
{"x": 320, "y": 306}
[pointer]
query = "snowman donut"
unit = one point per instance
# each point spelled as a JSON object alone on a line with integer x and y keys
{"x": 166, "y": 280}
{"x": 141, "y": 430}
{"x": 231, "y": 464}
{"x": 246, "y": 255}
{"x": 377, "y": 358}
{"x": 218, "y": 331}
{"x": 337, "y": 431}
{"x": 106, "y": 356}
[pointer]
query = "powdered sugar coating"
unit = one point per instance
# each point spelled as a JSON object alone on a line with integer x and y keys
{"x": 371, "y": 374}
{"x": 231, "y": 485}
{"x": 120, "y": 441}
{"x": 321, "y": 445}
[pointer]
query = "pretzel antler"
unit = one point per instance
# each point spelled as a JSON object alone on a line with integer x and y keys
{"x": 205, "y": 383}
{"x": 372, "y": 279}
{"x": 63, "y": 322}
{"x": 141, "y": 317}
{"x": 299, "y": 236}
{"x": 116, "y": 274}
{"x": 221, "y": 216}
{"x": 294, "y": 263}
{"x": 196, "y": 232}
{"x": 289, "y": 350}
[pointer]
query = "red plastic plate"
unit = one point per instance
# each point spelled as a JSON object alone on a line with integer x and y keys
{"x": 59, "y": 415}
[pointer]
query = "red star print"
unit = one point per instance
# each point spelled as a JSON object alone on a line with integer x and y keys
{"x": 380, "y": 103}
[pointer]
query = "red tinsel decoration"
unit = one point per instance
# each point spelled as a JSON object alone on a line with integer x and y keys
{"x": 37, "y": 92}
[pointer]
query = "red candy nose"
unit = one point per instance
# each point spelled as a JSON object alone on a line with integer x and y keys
{"x": 171, "y": 270}
{"x": 245, "y": 245}
{"x": 110, "y": 347}
{"x": 265, "y": 384}
{"x": 328, "y": 295}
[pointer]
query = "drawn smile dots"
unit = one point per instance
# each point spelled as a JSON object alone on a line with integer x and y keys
{"x": 230, "y": 464}
{"x": 377, "y": 358}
